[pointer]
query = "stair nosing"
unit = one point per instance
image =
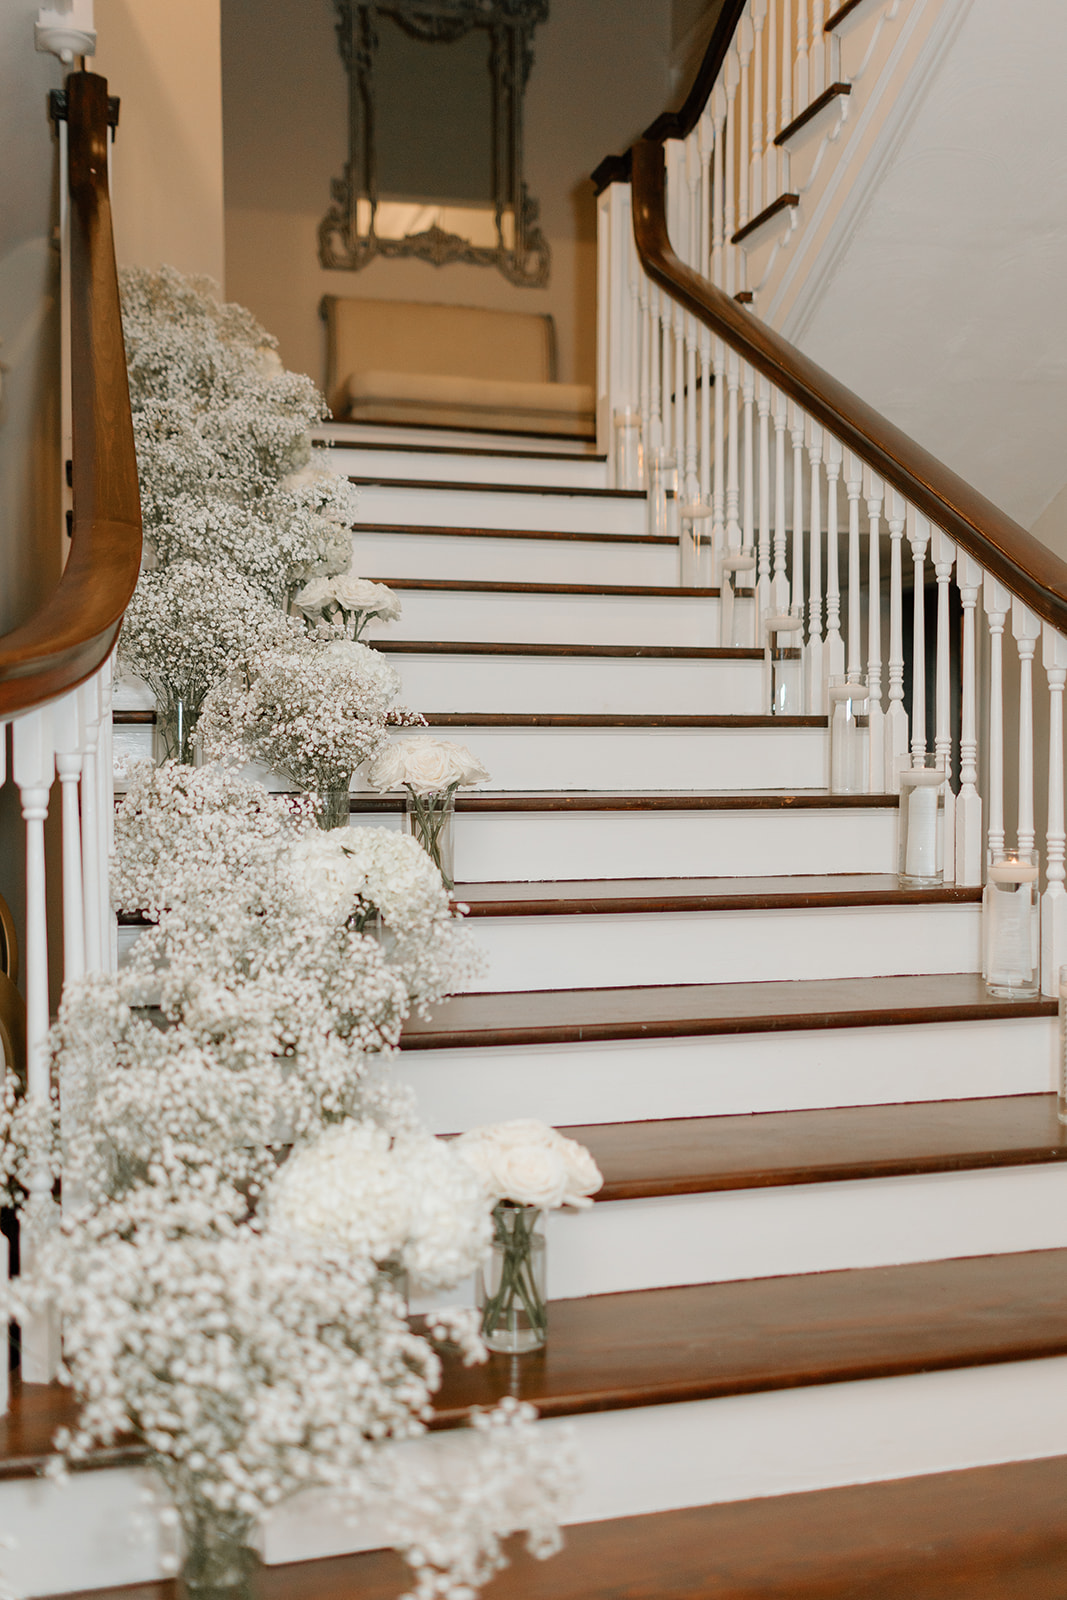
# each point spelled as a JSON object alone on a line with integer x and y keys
{"x": 581, "y": 491}
{"x": 619, "y": 652}
{"x": 436, "y": 531}
{"x": 806, "y": 894}
{"x": 672, "y": 591}
{"x": 612, "y": 719}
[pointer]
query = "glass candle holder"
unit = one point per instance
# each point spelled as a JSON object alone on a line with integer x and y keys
{"x": 737, "y": 599}
{"x": 850, "y": 752}
{"x": 1061, "y": 1085}
{"x": 662, "y": 483}
{"x": 1011, "y": 938}
{"x": 629, "y": 454}
{"x": 921, "y": 858}
{"x": 694, "y": 547}
{"x": 783, "y": 661}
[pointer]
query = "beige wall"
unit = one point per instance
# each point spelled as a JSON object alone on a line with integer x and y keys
{"x": 601, "y": 73}
{"x": 163, "y": 60}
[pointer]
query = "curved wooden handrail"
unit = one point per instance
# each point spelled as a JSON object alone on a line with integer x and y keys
{"x": 75, "y": 630}
{"x": 1028, "y": 568}
{"x": 679, "y": 124}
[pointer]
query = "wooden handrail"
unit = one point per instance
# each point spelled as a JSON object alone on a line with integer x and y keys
{"x": 1028, "y": 568}
{"x": 679, "y": 124}
{"x": 75, "y": 630}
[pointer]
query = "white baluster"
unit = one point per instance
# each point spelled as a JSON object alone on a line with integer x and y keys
{"x": 771, "y": 190}
{"x": 1054, "y": 900}
{"x": 801, "y": 95}
{"x": 34, "y": 769}
{"x": 796, "y": 434}
{"x": 733, "y": 486}
{"x": 69, "y": 737}
{"x": 854, "y": 489}
{"x": 918, "y": 538}
{"x": 666, "y": 312}
{"x": 731, "y": 75}
{"x": 817, "y": 58}
{"x": 105, "y": 777}
{"x": 707, "y": 136}
{"x": 1027, "y": 631}
{"x": 95, "y": 885}
{"x": 718, "y": 184}
{"x": 815, "y": 694}
{"x": 835, "y": 645}
{"x": 748, "y": 525}
{"x": 759, "y": 17}
{"x": 745, "y": 39}
{"x": 996, "y": 601}
{"x": 786, "y": 117}
{"x": 644, "y": 292}
{"x": 875, "y": 490}
{"x": 781, "y": 575}
{"x": 763, "y": 587}
{"x": 943, "y": 553}
{"x": 896, "y": 721}
{"x": 718, "y": 234}
{"x": 968, "y": 801}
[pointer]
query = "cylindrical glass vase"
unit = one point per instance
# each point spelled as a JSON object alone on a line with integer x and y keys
{"x": 737, "y": 599}
{"x": 174, "y": 736}
{"x": 1062, "y": 1081}
{"x": 783, "y": 661}
{"x": 629, "y": 456}
{"x": 1011, "y": 953}
{"x": 430, "y": 820}
{"x": 511, "y": 1282}
{"x": 921, "y": 858}
{"x": 850, "y": 751}
{"x": 694, "y": 549}
{"x": 662, "y": 482}
{"x": 333, "y": 807}
{"x": 219, "y": 1562}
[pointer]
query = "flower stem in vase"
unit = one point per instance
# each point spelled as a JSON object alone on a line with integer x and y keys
{"x": 511, "y": 1289}
{"x": 333, "y": 808}
{"x": 219, "y": 1561}
{"x": 430, "y": 821}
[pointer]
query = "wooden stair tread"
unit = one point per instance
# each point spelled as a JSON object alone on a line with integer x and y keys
{"x": 836, "y": 91}
{"x": 645, "y": 800}
{"x": 986, "y": 1533}
{"x": 783, "y": 203}
{"x": 514, "y": 454}
{"x": 570, "y": 1016}
{"x": 666, "y": 1346}
{"x": 592, "y": 896}
{"x": 436, "y": 531}
{"x": 622, "y": 652}
{"x": 704, "y": 1155}
{"x": 580, "y": 491}
{"x": 608, "y": 719}
{"x": 672, "y": 591}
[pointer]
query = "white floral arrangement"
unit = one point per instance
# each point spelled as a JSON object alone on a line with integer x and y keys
{"x": 314, "y": 710}
{"x": 525, "y": 1162}
{"x": 350, "y": 600}
{"x": 426, "y": 765}
{"x": 406, "y": 1200}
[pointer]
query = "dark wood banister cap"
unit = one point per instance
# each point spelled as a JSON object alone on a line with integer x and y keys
{"x": 679, "y": 124}
{"x": 74, "y": 632}
{"x": 1022, "y": 563}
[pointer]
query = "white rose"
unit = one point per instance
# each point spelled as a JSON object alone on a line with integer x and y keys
{"x": 361, "y": 594}
{"x": 473, "y": 770}
{"x": 386, "y": 771}
{"x": 584, "y": 1177}
{"x": 315, "y": 595}
{"x": 520, "y": 1131}
{"x": 429, "y": 764}
{"x": 530, "y": 1175}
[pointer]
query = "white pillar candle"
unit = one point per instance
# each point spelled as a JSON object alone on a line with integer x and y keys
{"x": 920, "y": 859}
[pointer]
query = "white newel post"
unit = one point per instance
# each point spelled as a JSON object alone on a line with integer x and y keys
{"x": 34, "y": 769}
{"x": 1026, "y": 629}
{"x": 996, "y": 601}
{"x": 1054, "y": 900}
{"x": 943, "y": 552}
{"x": 969, "y": 801}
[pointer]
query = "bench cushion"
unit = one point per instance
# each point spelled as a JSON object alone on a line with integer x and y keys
{"x": 431, "y": 399}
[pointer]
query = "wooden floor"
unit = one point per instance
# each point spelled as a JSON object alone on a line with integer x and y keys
{"x": 991, "y": 1533}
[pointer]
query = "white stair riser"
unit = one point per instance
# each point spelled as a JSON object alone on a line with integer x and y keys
{"x": 626, "y": 685}
{"x": 500, "y": 846}
{"x": 424, "y": 555}
{"x": 499, "y": 508}
{"x": 366, "y": 461}
{"x": 632, "y": 1080}
{"x": 766, "y": 946}
{"x": 470, "y": 616}
{"x": 706, "y": 1452}
{"x": 648, "y": 758}
{"x": 100, "y": 1529}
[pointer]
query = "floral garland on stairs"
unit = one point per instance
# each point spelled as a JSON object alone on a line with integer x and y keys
{"x": 239, "y": 1063}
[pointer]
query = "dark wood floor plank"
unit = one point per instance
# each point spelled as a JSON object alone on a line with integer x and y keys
{"x": 665, "y": 1346}
{"x": 690, "y": 1010}
{"x": 704, "y": 1155}
{"x": 574, "y": 897}
{"x": 989, "y": 1533}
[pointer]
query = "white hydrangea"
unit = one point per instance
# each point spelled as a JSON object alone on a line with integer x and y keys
{"x": 408, "y": 1200}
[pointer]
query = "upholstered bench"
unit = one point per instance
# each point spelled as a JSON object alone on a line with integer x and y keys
{"x": 400, "y": 361}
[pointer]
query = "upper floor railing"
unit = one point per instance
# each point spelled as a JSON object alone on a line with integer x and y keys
{"x": 804, "y": 505}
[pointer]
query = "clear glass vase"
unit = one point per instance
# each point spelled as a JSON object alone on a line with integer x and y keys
{"x": 333, "y": 807}
{"x": 174, "y": 736}
{"x": 1011, "y": 956}
{"x": 430, "y": 819}
{"x": 511, "y": 1282}
{"x": 219, "y": 1563}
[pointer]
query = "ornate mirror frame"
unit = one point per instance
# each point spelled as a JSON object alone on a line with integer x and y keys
{"x": 350, "y": 235}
